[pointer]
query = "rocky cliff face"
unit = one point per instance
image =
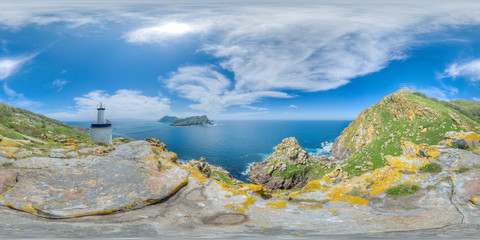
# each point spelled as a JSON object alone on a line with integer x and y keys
{"x": 290, "y": 166}
{"x": 403, "y": 115}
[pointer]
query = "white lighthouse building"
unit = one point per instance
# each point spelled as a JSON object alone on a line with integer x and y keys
{"x": 101, "y": 131}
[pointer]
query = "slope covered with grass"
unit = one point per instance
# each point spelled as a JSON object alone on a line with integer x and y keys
{"x": 17, "y": 123}
{"x": 405, "y": 115}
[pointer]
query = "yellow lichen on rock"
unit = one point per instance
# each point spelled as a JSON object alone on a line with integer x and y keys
{"x": 470, "y": 137}
{"x": 310, "y": 206}
{"x": 277, "y": 204}
{"x": 314, "y": 185}
{"x": 244, "y": 190}
{"x": 195, "y": 174}
{"x": 477, "y": 151}
{"x": 476, "y": 200}
{"x": 7, "y": 142}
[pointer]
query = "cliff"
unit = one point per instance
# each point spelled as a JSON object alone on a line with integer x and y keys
{"x": 290, "y": 166}
{"x": 405, "y": 115}
{"x": 192, "y": 121}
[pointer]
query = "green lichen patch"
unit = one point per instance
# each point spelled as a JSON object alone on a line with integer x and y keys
{"x": 431, "y": 168}
{"x": 403, "y": 189}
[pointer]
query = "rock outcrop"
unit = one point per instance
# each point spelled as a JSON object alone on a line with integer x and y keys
{"x": 212, "y": 172}
{"x": 288, "y": 167}
{"x": 405, "y": 115}
{"x": 128, "y": 177}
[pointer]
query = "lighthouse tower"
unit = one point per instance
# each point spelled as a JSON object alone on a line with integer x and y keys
{"x": 101, "y": 130}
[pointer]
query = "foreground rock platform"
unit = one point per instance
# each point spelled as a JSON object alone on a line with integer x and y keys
{"x": 126, "y": 178}
{"x": 202, "y": 207}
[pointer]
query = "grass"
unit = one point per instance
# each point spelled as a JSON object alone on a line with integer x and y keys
{"x": 8, "y": 164}
{"x": 358, "y": 193}
{"x": 431, "y": 168}
{"x": 388, "y": 132}
{"x": 313, "y": 170}
{"x": 222, "y": 176}
{"x": 303, "y": 200}
{"x": 462, "y": 170}
{"x": 403, "y": 190}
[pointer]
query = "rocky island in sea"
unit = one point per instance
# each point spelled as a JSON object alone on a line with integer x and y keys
{"x": 409, "y": 162}
{"x": 188, "y": 121}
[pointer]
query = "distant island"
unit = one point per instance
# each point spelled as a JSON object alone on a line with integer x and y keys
{"x": 189, "y": 121}
{"x": 168, "y": 119}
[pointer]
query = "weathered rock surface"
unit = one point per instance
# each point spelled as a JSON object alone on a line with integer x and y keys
{"x": 8, "y": 179}
{"x": 126, "y": 178}
{"x": 288, "y": 153}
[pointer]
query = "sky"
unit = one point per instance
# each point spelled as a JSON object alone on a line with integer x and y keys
{"x": 231, "y": 59}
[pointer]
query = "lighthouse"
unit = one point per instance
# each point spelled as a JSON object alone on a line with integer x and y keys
{"x": 101, "y": 131}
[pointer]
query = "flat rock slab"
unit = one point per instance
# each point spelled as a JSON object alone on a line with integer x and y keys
{"x": 101, "y": 185}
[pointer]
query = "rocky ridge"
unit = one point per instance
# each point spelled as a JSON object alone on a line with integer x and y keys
{"x": 402, "y": 116}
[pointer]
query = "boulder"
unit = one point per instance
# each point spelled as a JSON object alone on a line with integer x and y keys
{"x": 460, "y": 143}
{"x": 126, "y": 178}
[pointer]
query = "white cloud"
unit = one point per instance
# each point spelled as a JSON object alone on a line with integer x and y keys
{"x": 293, "y": 106}
{"x": 159, "y": 33}
{"x": 212, "y": 90}
{"x": 269, "y": 49}
{"x": 8, "y": 66}
{"x": 469, "y": 70}
{"x": 476, "y": 99}
{"x": 124, "y": 104}
{"x": 312, "y": 46}
{"x": 58, "y": 84}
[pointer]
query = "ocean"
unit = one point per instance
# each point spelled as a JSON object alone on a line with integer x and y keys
{"x": 233, "y": 145}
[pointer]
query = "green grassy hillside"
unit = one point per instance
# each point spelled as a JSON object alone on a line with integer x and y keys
{"x": 402, "y": 116}
{"x": 16, "y": 123}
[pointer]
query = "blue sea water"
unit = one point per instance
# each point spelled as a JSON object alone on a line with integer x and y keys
{"x": 234, "y": 145}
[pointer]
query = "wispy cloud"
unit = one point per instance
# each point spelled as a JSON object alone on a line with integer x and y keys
{"x": 58, "y": 84}
{"x": 476, "y": 99}
{"x": 124, "y": 104}
{"x": 159, "y": 33}
{"x": 442, "y": 93}
{"x": 211, "y": 90}
{"x": 293, "y": 106}
{"x": 270, "y": 50}
{"x": 469, "y": 70}
{"x": 9, "y": 65}
{"x": 307, "y": 47}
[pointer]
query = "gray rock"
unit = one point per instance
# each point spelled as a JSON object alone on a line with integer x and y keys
{"x": 460, "y": 143}
{"x": 8, "y": 179}
{"x": 127, "y": 178}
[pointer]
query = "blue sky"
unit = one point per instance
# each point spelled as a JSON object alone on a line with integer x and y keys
{"x": 233, "y": 59}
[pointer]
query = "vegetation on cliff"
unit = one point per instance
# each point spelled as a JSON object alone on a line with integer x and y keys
{"x": 290, "y": 166}
{"x": 192, "y": 121}
{"x": 16, "y": 123}
{"x": 404, "y": 116}
{"x": 212, "y": 172}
